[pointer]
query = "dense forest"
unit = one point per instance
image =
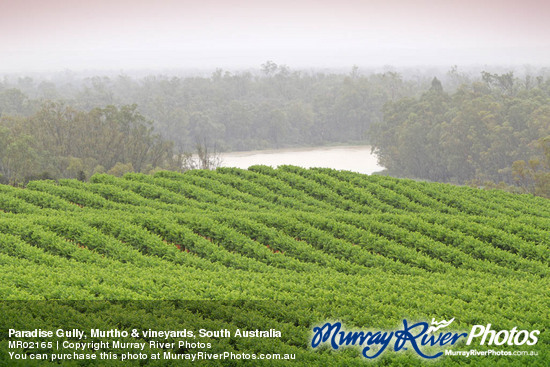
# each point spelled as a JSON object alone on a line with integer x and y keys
{"x": 272, "y": 108}
{"x": 58, "y": 141}
{"x": 69, "y": 127}
{"x": 492, "y": 131}
{"x": 482, "y": 129}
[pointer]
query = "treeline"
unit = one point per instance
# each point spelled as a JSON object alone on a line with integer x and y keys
{"x": 491, "y": 132}
{"x": 486, "y": 130}
{"x": 274, "y": 107}
{"x": 60, "y": 141}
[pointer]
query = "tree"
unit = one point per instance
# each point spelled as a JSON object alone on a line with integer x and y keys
{"x": 534, "y": 176}
{"x": 269, "y": 68}
{"x": 436, "y": 86}
{"x": 204, "y": 158}
{"x": 65, "y": 142}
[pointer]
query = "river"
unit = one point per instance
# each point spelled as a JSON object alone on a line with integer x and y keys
{"x": 352, "y": 158}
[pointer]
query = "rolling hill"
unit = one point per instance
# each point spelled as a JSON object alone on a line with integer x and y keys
{"x": 283, "y": 249}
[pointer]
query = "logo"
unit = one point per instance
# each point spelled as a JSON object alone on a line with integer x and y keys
{"x": 416, "y": 336}
{"x": 439, "y": 325}
{"x": 509, "y": 337}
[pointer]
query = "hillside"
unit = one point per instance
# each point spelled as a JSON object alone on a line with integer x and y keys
{"x": 285, "y": 248}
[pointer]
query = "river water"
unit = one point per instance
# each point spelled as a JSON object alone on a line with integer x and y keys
{"x": 350, "y": 158}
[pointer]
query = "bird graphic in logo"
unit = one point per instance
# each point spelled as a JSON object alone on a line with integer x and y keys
{"x": 438, "y": 325}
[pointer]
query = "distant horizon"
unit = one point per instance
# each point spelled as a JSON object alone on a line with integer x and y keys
{"x": 208, "y": 65}
{"x": 55, "y": 35}
{"x": 404, "y": 70}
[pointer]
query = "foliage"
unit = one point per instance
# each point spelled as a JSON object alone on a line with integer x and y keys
{"x": 59, "y": 141}
{"x": 288, "y": 248}
{"x": 274, "y": 108}
{"x": 484, "y": 133}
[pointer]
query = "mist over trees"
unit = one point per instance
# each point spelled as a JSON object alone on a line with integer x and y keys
{"x": 480, "y": 128}
{"x": 493, "y": 131}
{"x": 273, "y": 107}
{"x": 60, "y": 141}
{"x": 73, "y": 128}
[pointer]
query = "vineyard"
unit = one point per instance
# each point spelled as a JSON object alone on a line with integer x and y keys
{"x": 284, "y": 248}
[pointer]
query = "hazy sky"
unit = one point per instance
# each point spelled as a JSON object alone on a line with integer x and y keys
{"x": 131, "y": 34}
